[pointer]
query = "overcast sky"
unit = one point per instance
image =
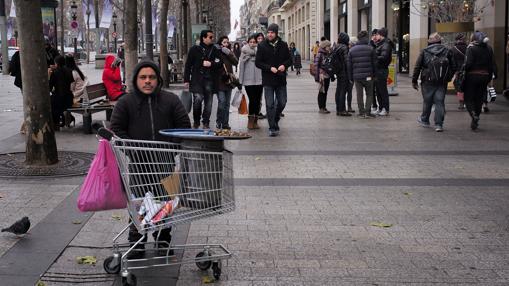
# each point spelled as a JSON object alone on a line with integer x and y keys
{"x": 234, "y": 12}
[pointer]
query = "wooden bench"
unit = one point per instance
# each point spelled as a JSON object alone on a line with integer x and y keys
{"x": 98, "y": 102}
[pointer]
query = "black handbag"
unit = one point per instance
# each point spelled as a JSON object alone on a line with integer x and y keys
{"x": 230, "y": 79}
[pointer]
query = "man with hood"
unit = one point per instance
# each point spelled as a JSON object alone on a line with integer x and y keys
{"x": 436, "y": 66}
{"x": 273, "y": 58}
{"x": 111, "y": 78}
{"x": 340, "y": 56}
{"x": 383, "y": 47}
{"x": 480, "y": 69}
{"x": 201, "y": 76}
{"x": 140, "y": 115}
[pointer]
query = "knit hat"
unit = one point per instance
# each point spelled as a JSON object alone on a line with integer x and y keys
{"x": 362, "y": 35}
{"x": 273, "y": 27}
{"x": 325, "y": 44}
{"x": 434, "y": 38}
{"x": 480, "y": 37}
{"x": 374, "y": 32}
{"x": 382, "y": 32}
{"x": 343, "y": 38}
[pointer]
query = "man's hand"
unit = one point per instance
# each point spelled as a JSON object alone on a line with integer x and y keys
{"x": 207, "y": 64}
{"x": 281, "y": 68}
{"x": 273, "y": 70}
{"x": 415, "y": 85}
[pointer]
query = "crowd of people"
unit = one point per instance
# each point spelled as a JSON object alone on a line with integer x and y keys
{"x": 261, "y": 64}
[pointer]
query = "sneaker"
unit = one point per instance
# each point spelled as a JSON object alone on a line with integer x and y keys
{"x": 323, "y": 111}
{"x": 383, "y": 113}
{"x": 374, "y": 109}
{"x": 422, "y": 123}
{"x": 475, "y": 123}
{"x": 376, "y": 112}
{"x": 439, "y": 128}
{"x": 351, "y": 110}
{"x": 344, "y": 113}
{"x": 196, "y": 125}
{"x": 272, "y": 133}
{"x": 206, "y": 126}
{"x": 369, "y": 116}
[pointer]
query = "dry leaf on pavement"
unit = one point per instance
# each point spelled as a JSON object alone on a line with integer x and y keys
{"x": 208, "y": 280}
{"x": 86, "y": 260}
{"x": 381, "y": 224}
{"x": 117, "y": 217}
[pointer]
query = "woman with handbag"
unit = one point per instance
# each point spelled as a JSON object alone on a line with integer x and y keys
{"x": 321, "y": 76}
{"x": 480, "y": 68}
{"x": 251, "y": 78}
{"x": 227, "y": 81}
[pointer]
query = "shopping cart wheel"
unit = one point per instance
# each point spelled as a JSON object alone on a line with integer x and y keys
{"x": 110, "y": 267}
{"x": 216, "y": 270}
{"x": 130, "y": 280}
{"x": 203, "y": 265}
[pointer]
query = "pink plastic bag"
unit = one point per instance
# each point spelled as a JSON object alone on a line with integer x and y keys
{"x": 102, "y": 189}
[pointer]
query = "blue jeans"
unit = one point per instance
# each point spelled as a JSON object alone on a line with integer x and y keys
{"x": 223, "y": 108}
{"x": 275, "y": 102}
{"x": 433, "y": 94}
{"x": 198, "y": 101}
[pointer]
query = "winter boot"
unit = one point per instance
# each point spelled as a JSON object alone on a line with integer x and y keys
{"x": 250, "y": 122}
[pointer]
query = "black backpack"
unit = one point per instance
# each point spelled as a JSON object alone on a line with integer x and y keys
{"x": 438, "y": 68}
{"x": 328, "y": 65}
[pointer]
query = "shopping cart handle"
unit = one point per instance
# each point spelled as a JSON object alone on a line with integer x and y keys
{"x": 105, "y": 133}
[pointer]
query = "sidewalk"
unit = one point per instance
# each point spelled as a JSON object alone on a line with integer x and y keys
{"x": 306, "y": 202}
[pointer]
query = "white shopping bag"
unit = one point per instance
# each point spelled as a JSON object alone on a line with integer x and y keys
{"x": 237, "y": 98}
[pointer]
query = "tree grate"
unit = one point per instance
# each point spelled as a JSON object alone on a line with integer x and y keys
{"x": 12, "y": 165}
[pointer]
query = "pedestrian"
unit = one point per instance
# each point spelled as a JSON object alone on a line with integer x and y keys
{"x": 15, "y": 71}
{"x": 61, "y": 95}
{"x": 459, "y": 50}
{"x": 139, "y": 115}
{"x": 78, "y": 87}
{"x": 273, "y": 58}
{"x": 121, "y": 56}
{"x": 200, "y": 76}
{"x": 322, "y": 77}
{"x": 436, "y": 67}
{"x": 51, "y": 52}
{"x": 251, "y": 78}
{"x": 259, "y": 39}
{"x": 340, "y": 56}
{"x": 292, "y": 53}
{"x": 372, "y": 43}
{"x": 315, "y": 48}
{"x": 383, "y": 48}
{"x": 225, "y": 82}
{"x": 236, "y": 52}
{"x": 112, "y": 79}
{"x": 480, "y": 69}
{"x": 361, "y": 71}
{"x": 297, "y": 61}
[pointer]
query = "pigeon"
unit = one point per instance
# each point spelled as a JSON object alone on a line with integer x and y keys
{"x": 20, "y": 227}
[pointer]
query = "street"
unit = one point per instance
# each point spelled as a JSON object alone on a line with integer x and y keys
{"x": 331, "y": 201}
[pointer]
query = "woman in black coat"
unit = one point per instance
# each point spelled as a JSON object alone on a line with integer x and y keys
{"x": 480, "y": 69}
{"x": 459, "y": 50}
{"x": 61, "y": 95}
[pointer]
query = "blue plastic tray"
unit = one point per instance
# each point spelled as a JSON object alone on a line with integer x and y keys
{"x": 198, "y": 134}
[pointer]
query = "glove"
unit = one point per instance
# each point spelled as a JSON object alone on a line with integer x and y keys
{"x": 415, "y": 85}
{"x": 225, "y": 51}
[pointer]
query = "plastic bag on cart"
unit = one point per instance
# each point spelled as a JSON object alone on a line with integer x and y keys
{"x": 102, "y": 189}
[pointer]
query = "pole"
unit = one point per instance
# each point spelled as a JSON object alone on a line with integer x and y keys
{"x": 115, "y": 38}
{"x": 185, "y": 47}
{"x": 62, "y": 26}
{"x": 5, "y": 45}
{"x": 75, "y": 39}
{"x": 97, "y": 32}
{"x": 149, "y": 38}
{"x": 88, "y": 31}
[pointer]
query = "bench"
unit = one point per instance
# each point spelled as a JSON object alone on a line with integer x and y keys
{"x": 98, "y": 102}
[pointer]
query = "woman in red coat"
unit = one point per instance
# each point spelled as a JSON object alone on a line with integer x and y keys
{"x": 112, "y": 79}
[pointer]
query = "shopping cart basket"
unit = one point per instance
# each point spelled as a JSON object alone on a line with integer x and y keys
{"x": 166, "y": 186}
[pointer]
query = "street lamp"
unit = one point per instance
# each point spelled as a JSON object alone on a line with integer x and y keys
{"x": 74, "y": 25}
{"x": 88, "y": 12}
{"x": 114, "y": 16}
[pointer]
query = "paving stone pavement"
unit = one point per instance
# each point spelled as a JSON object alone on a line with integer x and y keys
{"x": 288, "y": 229}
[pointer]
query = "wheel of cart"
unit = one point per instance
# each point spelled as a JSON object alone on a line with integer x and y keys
{"x": 168, "y": 184}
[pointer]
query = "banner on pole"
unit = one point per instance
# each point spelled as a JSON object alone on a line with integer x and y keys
{"x": 107, "y": 14}
{"x": 172, "y": 24}
{"x": 13, "y": 10}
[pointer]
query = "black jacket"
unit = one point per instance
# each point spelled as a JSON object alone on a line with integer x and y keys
{"x": 229, "y": 61}
{"x": 271, "y": 55}
{"x": 459, "y": 51}
{"x": 479, "y": 57}
{"x": 15, "y": 69}
{"x": 383, "y": 53}
{"x": 361, "y": 61}
{"x": 421, "y": 65}
{"x": 202, "y": 78}
{"x": 60, "y": 86}
{"x": 341, "y": 51}
{"x": 140, "y": 116}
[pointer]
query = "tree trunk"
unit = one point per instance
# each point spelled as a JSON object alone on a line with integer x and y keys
{"x": 41, "y": 146}
{"x": 62, "y": 27}
{"x": 163, "y": 45}
{"x": 131, "y": 41}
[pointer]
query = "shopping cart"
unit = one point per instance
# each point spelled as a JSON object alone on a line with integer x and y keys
{"x": 188, "y": 184}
